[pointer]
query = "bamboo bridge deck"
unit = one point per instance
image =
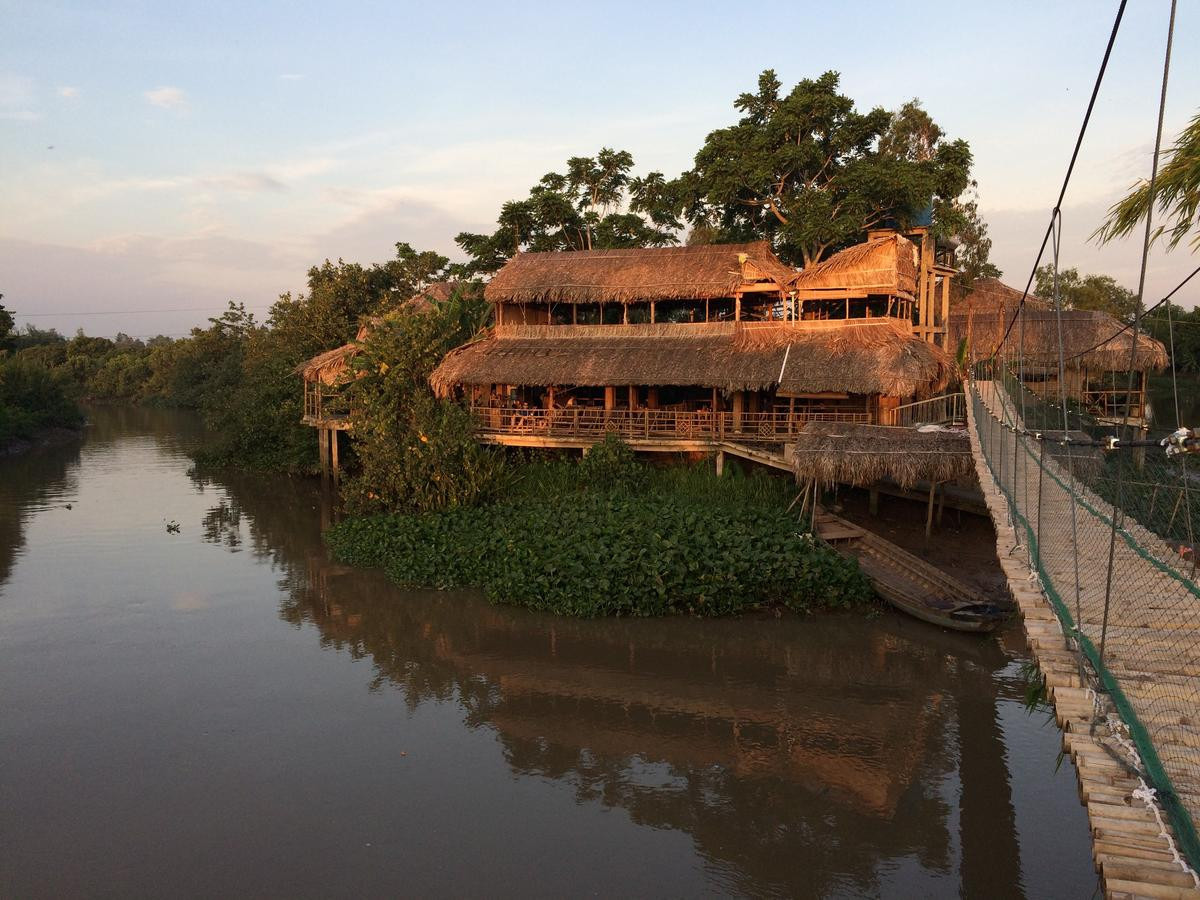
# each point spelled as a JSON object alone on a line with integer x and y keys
{"x": 1135, "y": 852}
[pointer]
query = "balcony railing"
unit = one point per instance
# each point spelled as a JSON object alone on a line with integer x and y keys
{"x": 594, "y": 423}
{"x": 949, "y": 409}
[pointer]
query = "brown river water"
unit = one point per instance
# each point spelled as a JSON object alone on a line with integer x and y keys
{"x": 223, "y": 712}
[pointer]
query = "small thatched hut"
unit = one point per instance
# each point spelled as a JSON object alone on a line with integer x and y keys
{"x": 328, "y": 370}
{"x": 1097, "y": 349}
{"x": 862, "y": 455}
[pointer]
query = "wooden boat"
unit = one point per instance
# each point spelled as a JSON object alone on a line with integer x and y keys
{"x": 908, "y": 583}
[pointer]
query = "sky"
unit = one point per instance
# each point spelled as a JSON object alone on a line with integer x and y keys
{"x": 160, "y": 159}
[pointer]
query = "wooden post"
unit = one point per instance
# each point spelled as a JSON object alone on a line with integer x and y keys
{"x": 652, "y": 397}
{"x": 574, "y": 313}
{"x": 739, "y": 405}
{"x": 929, "y": 513}
{"x": 737, "y": 307}
{"x": 705, "y": 309}
{"x": 333, "y": 443}
{"x": 720, "y": 463}
{"x": 610, "y": 397}
{"x": 651, "y": 312}
{"x": 632, "y": 397}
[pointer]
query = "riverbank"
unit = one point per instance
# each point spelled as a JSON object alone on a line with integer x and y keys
{"x": 41, "y": 439}
{"x": 616, "y": 537}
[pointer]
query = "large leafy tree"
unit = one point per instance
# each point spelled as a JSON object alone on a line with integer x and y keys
{"x": 975, "y": 247}
{"x": 811, "y": 173}
{"x": 596, "y": 204}
{"x": 1176, "y": 196}
{"x": 1098, "y": 292}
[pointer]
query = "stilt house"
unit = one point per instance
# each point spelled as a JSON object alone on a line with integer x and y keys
{"x": 677, "y": 348}
{"x": 1098, "y": 353}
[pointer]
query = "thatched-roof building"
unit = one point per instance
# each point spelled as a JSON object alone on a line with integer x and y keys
{"x": 1097, "y": 349}
{"x": 695, "y": 342}
{"x": 324, "y": 407}
{"x": 871, "y": 356}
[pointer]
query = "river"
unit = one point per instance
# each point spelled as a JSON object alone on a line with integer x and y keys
{"x": 220, "y": 710}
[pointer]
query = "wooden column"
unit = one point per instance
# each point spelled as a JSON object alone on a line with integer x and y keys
{"x": 610, "y": 397}
{"x": 652, "y": 397}
{"x": 651, "y": 312}
{"x": 333, "y": 444}
{"x": 720, "y": 463}
{"x": 624, "y": 313}
{"x": 737, "y": 307}
{"x": 632, "y": 397}
{"x": 739, "y": 406}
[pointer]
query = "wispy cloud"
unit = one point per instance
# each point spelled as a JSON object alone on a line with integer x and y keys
{"x": 291, "y": 76}
{"x": 16, "y": 98}
{"x": 68, "y": 92}
{"x": 167, "y": 98}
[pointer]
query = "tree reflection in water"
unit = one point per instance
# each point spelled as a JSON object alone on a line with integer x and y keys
{"x": 804, "y": 757}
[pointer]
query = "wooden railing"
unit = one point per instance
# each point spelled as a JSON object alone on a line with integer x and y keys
{"x": 949, "y": 409}
{"x": 652, "y": 424}
{"x": 323, "y": 406}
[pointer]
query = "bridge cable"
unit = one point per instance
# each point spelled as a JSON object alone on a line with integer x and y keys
{"x": 1070, "y": 168}
{"x": 1056, "y": 225}
{"x": 1141, "y": 315}
{"x": 1152, "y": 184}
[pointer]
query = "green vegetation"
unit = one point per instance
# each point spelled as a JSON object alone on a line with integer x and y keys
{"x": 803, "y": 169}
{"x": 1176, "y": 196}
{"x": 1097, "y": 292}
{"x": 32, "y": 399}
{"x": 415, "y": 452}
{"x": 610, "y": 536}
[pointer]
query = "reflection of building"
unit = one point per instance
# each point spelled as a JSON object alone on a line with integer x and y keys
{"x": 1096, "y": 350}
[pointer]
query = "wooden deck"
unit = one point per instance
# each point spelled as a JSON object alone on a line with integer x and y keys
{"x": 1133, "y": 849}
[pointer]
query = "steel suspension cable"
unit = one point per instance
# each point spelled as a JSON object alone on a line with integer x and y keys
{"x": 1151, "y": 185}
{"x": 1112, "y": 38}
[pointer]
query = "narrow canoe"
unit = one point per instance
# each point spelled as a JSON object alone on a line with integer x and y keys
{"x": 909, "y": 583}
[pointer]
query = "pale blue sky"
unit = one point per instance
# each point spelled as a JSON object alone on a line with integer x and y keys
{"x": 203, "y": 152}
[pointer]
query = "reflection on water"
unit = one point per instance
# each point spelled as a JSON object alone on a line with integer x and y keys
{"x": 223, "y": 709}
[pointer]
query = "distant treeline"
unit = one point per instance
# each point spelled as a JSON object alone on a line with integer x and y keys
{"x": 238, "y": 372}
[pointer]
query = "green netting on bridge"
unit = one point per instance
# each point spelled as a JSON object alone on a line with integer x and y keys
{"x": 1127, "y": 594}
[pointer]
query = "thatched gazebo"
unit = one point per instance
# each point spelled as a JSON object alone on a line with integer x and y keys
{"x": 1098, "y": 351}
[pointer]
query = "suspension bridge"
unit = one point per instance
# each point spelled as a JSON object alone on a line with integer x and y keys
{"x": 1096, "y": 533}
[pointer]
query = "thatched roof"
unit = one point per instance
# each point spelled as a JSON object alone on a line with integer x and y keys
{"x": 833, "y": 452}
{"x": 710, "y": 272}
{"x": 868, "y": 356}
{"x": 1092, "y": 340}
{"x": 331, "y": 366}
{"x": 991, "y": 295}
{"x": 886, "y": 265}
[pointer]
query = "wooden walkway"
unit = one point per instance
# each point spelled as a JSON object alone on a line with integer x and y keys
{"x": 1134, "y": 850}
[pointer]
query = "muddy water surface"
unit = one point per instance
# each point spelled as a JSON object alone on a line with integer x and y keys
{"x": 219, "y": 710}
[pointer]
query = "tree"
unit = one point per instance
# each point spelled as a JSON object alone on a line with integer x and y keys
{"x": 597, "y": 204}
{"x": 975, "y": 246}
{"x": 1176, "y": 195}
{"x": 811, "y": 173}
{"x": 6, "y": 323}
{"x": 1181, "y": 336}
{"x": 1098, "y": 292}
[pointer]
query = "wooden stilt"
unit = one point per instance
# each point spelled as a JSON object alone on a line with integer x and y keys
{"x": 720, "y": 463}
{"x": 333, "y": 444}
{"x": 929, "y": 512}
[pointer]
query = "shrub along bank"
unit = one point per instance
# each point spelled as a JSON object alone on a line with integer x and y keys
{"x": 614, "y": 540}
